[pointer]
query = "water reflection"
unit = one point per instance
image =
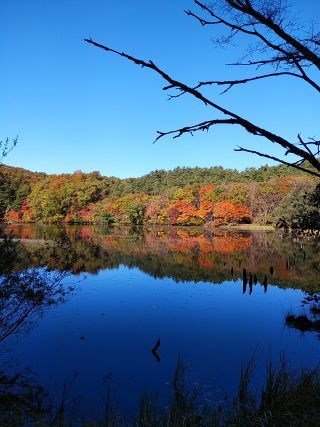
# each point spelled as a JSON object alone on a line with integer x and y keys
{"x": 25, "y": 292}
{"x": 182, "y": 254}
{"x": 23, "y": 400}
{"x": 124, "y": 306}
{"x": 25, "y": 296}
{"x": 308, "y": 317}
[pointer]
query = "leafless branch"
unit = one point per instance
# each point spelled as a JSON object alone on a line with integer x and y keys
{"x": 247, "y": 125}
{"x": 247, "y": 10}
{"x": 6, "y": 146}
{"x": 304, "y": 144}
{"x": 291, "y": 51}
{"x": 277, "y": 159}
{"x": 204, "y": 126}
{"x": 231, "y": 83}
{"x": 275, "y": 47}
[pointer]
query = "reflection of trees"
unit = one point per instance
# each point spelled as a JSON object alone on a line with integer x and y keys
{"x": 31, "y": 281}
{"x": 25, "y": 291}
{"x": 22, "y": 400}
{"x": 25, "y": 296}
{"x": 309, "y": 319}
{"x": 12, "y": 256}
{"x": 185, "y": 254}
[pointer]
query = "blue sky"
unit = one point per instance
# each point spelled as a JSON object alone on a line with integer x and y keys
{"x": 75, "y": 107}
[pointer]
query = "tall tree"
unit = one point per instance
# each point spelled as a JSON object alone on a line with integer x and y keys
{"x": 281, "y": 47}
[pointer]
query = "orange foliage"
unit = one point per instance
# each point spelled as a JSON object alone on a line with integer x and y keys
{"x": 183, "y": 213}
{"x": 205, "y": 189}
{"x": 225, "y": 212}
{"x": 226, "y": 243}
{"x": 206, "y": 210}
{"x": 13, "y": 216}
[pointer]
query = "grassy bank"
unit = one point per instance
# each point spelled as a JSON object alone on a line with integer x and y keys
{"x": 248, "y": 227}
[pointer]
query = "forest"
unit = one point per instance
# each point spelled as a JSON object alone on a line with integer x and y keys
{"x": 269, "y": 195}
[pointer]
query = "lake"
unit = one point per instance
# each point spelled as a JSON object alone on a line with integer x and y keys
{"x": 213, "y": 299}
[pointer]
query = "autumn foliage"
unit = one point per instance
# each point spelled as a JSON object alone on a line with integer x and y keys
{"x": 25, "y": 214}
{"x": 226, "y": 212}
{"x": 158, "y": 198}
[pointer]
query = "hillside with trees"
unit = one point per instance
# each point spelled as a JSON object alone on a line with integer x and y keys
{"x": 184, "y": 196}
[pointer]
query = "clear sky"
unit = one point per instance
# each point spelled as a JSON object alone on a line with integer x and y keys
{"x": 76, "y": 107}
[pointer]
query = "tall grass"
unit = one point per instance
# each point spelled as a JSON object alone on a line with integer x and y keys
{"x": 287, "y": 398}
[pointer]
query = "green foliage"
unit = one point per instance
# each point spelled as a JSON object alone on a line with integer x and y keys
{"x": 300, "y": 209}
{"x": 183, "y": 196}
{"x": 188, "y": 194}
{"x": 157, "y": 182}
{"x": 105, "y": 218}
{"x": 56, "y": 195}
{"x": 15, "y": 186}
{"x": 237, "y": 192}
{"x": 136, "y": 213}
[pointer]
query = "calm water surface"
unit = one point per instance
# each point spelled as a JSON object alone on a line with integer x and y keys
{"x": 185, "y": 287}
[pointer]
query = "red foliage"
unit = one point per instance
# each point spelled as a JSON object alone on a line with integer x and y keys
{"x": 82, "y": 216}
{"x": 23, "y": 215}
{"x": 86, "y": 214}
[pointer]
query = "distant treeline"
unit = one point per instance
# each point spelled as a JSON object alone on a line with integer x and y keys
{"x": 183, "y": 196}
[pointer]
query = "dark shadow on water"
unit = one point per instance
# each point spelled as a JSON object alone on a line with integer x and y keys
{"x": 154, "y": 351}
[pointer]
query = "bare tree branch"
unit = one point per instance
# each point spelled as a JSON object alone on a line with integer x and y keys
{"x": 291, "y": 51}
{"x": 247, "y": 125}
{"x": 277, "y": 159}
{"x": 6, "y": 146}
{"x": 194, "y": 128}
{"x": 245, "y": 6}
{"x": 304, "y": 144}
{"x": 231, "y": 83}
{"x": 274, "y": 47}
